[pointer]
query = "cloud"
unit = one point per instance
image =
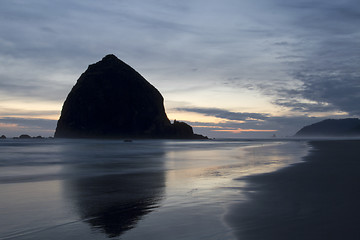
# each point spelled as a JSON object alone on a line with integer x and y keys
{"x": 302, "y": 105}
{"x": 256, "y": 123}
{"x": 282, "y": 125}
{"x": 38, "y": 123}
{"x": 330, "y": 77}
{"x": 319, "y": 56}
{"x": 224, "y": 114}
{"x": 301, "y": 55}
{"x": 322, "y": 17}
{"x": 25, "y": 112}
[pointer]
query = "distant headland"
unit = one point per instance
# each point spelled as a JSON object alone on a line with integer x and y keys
{"x": 349, "y": 127}
{"x": 112, "y": 100}
{"x": 25, "y": 136}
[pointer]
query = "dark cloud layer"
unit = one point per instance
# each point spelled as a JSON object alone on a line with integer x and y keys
{"x": 222, "y": 113}
{"x": 44, "y": 124}
{"x": 284, "y": 125}
{"x": 329, "y": 71}
{"x": 302, "y": 55}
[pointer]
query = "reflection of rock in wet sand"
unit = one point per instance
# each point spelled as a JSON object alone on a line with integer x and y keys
{"x": 115, "y": 203}
{"x": 113, "y": 192}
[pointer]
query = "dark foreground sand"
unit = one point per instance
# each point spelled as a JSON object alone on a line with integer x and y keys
{"x": 316, "y": 199}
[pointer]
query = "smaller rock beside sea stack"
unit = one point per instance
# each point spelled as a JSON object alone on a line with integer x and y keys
{"x": 112, "y": 100}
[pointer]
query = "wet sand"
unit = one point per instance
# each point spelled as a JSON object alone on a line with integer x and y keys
{"x": 315, "y": 199}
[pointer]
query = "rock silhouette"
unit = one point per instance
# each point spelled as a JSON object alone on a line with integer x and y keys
{"x": 112, "y": 100}
{"x": 24, "y": 136}
{"x": 332, "y": 128}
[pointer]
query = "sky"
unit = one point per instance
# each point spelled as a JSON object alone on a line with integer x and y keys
{"x": 229, "y": 68}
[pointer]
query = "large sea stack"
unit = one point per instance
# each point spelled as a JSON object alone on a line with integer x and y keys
{"x": 112, "y": 100}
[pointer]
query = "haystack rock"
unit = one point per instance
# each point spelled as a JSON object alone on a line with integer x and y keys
{"x": 112, "y": 100}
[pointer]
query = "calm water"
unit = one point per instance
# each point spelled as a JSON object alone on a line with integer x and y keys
{"x": 155, "y": 189}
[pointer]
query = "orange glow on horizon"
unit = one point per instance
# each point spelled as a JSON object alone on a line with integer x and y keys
{"x": 9, "y": 125}
{"x": 21, "y": 108}
{"x": 240, "y": 130}
{"x": 193, "y": 117}
{"x": 200, "y": 126}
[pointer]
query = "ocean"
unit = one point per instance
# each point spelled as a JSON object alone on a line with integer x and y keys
{"x": 144, "y": 189}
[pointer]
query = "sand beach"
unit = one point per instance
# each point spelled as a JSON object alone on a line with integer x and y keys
{"x": 223, "y": 189}
{"x": 315, "y": 199}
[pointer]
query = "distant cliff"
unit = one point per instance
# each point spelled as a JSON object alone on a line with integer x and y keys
{"x": 112, "y": 100}
{"x": 332, "y": 128}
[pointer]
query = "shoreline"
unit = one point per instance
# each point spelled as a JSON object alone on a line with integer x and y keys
{"x": 314, "y": 199}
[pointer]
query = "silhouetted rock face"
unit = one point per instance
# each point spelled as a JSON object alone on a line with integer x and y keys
{"x": 112, "y": 100}
{"x": 332, "y": 128}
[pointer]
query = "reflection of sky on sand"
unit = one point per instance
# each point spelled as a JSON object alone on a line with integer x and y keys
{"x": 216, "y": 166}
{"x": 31, "y": 209}
{"x": 200, "y": 186}
{"x": 141, "y": 190}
